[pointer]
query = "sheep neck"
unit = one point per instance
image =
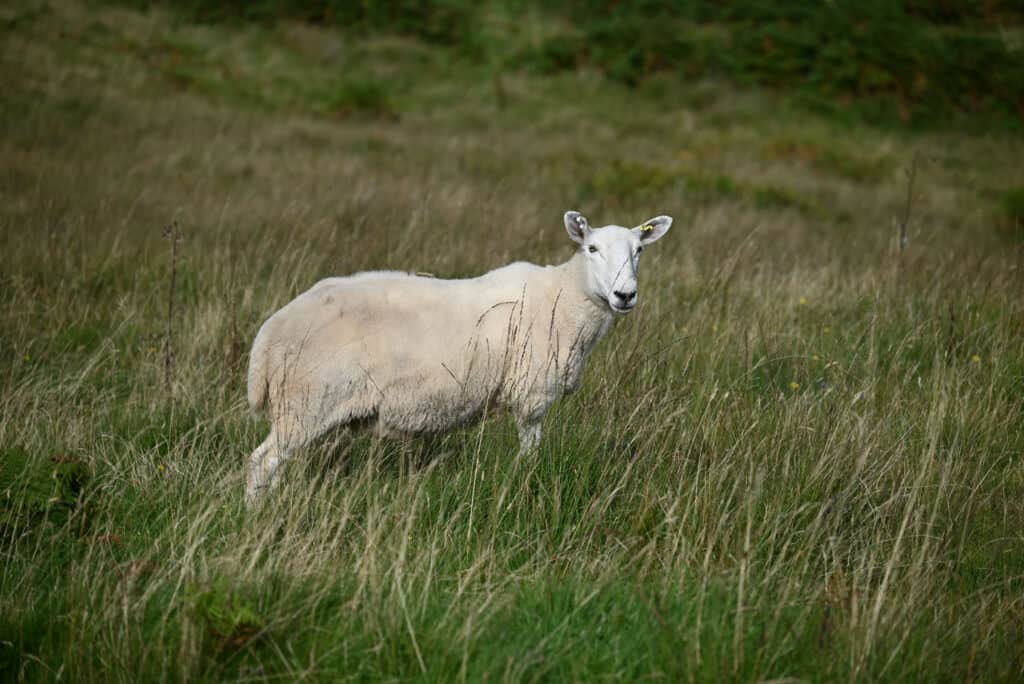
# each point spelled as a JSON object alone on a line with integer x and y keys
{"x": 579, "y": 312}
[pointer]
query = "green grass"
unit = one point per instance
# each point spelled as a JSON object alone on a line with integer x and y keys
{"x": 801, "y": 457}
{"x": 902, "y": 64}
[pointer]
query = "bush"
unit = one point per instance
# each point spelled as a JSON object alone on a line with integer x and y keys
{"x": 919, "y": 59}
{"x": 436, "y": 21}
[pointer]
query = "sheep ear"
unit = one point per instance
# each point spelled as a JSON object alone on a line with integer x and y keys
{"x": 577, "y": 226}
{"x": 652, "y": 229}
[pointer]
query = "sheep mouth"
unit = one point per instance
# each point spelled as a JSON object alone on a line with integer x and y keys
{"x": 618, "y": 309}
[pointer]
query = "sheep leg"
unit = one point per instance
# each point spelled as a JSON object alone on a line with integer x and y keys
{"x": 529, "y": 435}
{"x": 290, "y": 433}
{"x": 264, "y": 467}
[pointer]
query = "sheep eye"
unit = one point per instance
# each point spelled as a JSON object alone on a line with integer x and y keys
{"x": 592, "y": 249}
{"x": 639, "y": 249}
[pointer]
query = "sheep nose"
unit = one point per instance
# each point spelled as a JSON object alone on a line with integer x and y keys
{"x": 626, "y": 297}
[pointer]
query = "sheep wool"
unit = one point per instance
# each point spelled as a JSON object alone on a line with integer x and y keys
{"x": 408, "y": 354}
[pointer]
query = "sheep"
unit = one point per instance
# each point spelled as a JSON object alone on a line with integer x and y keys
{"x": 407, "y": 354}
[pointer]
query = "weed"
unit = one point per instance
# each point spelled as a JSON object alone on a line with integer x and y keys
{"x": 40, "y": 493}
{"x": 225, "y": 615}
{"x": 173, "y": 235}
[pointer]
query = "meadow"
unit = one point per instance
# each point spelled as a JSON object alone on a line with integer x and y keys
{"x": 800, "y": 459}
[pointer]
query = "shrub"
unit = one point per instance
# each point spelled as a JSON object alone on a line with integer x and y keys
{"x": 919, "y": 59}
{"x": 436, "y": 21}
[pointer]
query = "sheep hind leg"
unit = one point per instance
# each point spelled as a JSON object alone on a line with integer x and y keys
{"x": 264, "y": 467}
{"x": 287, "y": 436}
{"x": 529, "y": 435}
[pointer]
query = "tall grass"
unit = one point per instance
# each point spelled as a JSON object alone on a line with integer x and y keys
{"x": 800, "y": 458}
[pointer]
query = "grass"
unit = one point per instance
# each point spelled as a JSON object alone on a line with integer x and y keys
{"x": 800, "y": 458}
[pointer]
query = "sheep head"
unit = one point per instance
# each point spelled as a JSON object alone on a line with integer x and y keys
{"x": 611, "y": 258}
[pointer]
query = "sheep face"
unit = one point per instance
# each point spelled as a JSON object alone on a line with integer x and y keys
{"x": 611, "y": 257}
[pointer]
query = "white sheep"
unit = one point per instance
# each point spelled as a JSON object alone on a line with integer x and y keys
{"x": 407, "y": 354}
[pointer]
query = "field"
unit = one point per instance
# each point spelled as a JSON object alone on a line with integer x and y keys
{"x": 800, "y": 459}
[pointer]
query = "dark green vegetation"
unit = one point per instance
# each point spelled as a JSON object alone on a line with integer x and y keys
{"x": 912, "y": 62}
{"x": 800, "y": 458}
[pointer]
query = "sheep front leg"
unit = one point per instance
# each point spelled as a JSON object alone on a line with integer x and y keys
{"x": 529, "y": 435}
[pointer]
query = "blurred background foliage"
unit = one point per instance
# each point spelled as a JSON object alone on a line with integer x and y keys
{"x": 909, "y": 62}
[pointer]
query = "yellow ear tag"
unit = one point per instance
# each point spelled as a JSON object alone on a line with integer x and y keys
{"x": 646, "y": 227}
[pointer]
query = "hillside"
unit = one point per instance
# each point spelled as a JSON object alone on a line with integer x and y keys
{"x": 801, "y": 457}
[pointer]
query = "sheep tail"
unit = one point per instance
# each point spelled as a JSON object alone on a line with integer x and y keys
{"x": 258, "y": 384}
